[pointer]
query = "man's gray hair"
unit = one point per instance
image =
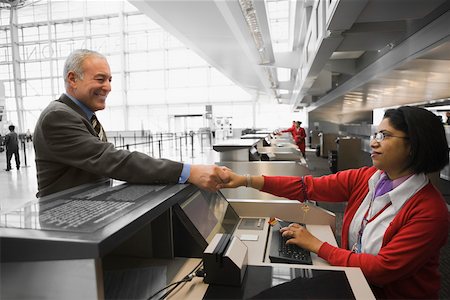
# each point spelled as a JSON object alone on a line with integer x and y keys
{"x": 74, "y": 63}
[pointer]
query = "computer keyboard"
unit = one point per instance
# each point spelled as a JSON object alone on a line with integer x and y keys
{"x": 282, "y": 253}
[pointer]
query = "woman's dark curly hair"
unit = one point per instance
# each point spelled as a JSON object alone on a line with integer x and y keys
{"x": 429, "y": 147}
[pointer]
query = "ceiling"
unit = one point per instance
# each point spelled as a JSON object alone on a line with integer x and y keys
{"x": 373, "y": 54}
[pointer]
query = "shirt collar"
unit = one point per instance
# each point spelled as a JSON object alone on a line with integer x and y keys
{"x": 398, "y": 181}
{"x": 89, "y": 113}
{"x": 398, "y": 196}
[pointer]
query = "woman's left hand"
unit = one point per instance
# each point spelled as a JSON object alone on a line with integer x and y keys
{"x": 300, "y": 236}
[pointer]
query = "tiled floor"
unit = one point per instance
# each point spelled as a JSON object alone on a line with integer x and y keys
{"x": 18, "y": 186}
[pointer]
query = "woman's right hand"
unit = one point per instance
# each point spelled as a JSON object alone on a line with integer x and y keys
{"x": 235, "y": 180}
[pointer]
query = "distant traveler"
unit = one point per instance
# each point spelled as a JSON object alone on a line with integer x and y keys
{"x": 12, "y": 147}
{"x": 396, "y": 221}
{"x": 71, "y": 146}
{"x": 28, "y": 136}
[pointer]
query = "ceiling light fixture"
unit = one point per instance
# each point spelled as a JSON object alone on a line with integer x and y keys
{"x": 251, "y": 18}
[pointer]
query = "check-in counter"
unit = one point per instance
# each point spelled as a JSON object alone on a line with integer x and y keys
{"x": 270, "y": 168}
{"x": 129, "y": 251}
{"x": 254, "y": 136}
{"x": 238, "y": 149}
{"x": 282, "y": 138}
{"x": 260, "y": 270}
{"x": 281, "y": 153}
{"x": 280, "y": 274}
{"x": 57, "y": 247}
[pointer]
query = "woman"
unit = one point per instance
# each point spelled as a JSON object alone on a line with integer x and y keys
{"x": 300, "y": 137}
{"x": 396, "y": 221}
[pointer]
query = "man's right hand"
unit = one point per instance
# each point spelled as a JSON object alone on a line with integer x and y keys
{"x": 209, "y": 177}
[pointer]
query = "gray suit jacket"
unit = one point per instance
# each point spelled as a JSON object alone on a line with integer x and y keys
{"x": 69, "y": 153}
{"x": 11, "y": 142}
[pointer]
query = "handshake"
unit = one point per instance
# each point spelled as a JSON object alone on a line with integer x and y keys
{"x": 213, "y": 178}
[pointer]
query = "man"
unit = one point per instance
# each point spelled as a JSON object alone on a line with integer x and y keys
{"x": 70, "y": 151}
{"x": 12, "y": 147}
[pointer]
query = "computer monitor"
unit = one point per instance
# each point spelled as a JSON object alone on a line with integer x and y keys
{"x": 254, "y": 154}
{"x": 202, "y": 216}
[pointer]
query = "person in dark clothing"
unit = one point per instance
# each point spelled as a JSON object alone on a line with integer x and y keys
{"x": 12, "y": 147}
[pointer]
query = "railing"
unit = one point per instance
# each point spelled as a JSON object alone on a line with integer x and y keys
{"x": 170, "y": 145}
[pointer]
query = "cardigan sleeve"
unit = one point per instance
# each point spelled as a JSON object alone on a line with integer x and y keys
{"x": 284, "y": 186}
{"x": 340, "y": 187}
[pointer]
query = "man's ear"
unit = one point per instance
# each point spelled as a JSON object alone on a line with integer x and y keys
{"x": 71, "y": 79}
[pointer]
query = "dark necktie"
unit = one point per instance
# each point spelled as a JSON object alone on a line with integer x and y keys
{"x": 98, "y": 128}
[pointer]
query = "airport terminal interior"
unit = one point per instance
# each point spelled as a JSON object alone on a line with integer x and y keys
{"x": 211, "y": 83}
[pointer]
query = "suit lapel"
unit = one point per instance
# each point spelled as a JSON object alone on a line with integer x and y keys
{"x": 66, "y": 100}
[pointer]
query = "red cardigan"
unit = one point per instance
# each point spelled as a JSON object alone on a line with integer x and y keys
{"x": 407, "y": 264}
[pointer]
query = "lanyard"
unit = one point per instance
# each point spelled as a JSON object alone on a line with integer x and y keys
{"x": 357, "y": 247}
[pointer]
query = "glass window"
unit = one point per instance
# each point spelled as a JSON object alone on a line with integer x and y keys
{"x": 77, "y": 9}
{"x": 128, "y": 7}
{"x": 194, "y": 60}
{"x": 10, "y": 104}
{"x": 115, "y": 97}
{"x": 60, "y": 10}
{"x": 178, "y": 78}
{"x": 9, "y": 90}
{"x": 4, "y": 17}
{"x": 177, "y": 57}
{"x": 105, "y": 44}
{"x": 30, "y": 34}
{"x": 33, "y": 69}
{"x": 4, "y": 39}
{"x": 197, "y": 77}
{"x": 43, "y": 32}
{"x": 32, "y": 87}
{"x": 138, "y": 118}
{"x": 155, "y": 39}
{"x": 112, "y": 118}
{"x": 114, "y": 25}
{"x": 116, "y": 82}
{"x": 146, "y": 97}
{"x": 78, "y": 29}
{"x": 153, "y": 60}
{"x": 95, "y": 8}
{"x": 187, "y": 95}
{"x": 35, "y": 102}
{"x": 99, "y": 26}
{"x": 218, "y": 78}
{"x": 5, "y": 54}
{"x": 63, "y": 30}
{"x": 228, "y": 93}
{"x": 173, "y": 42}
{"x": 139, "y": 22}
{"x": 115, "y": 64}
{"x": 29, "y": 52}
{"x": 145, "y": 80}
{"x": 5, "y": 71}
{"x": 63, "y": 48}
{"x": 159, "y": 70}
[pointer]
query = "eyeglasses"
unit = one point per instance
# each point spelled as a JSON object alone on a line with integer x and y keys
{"x": 380, "y": 136}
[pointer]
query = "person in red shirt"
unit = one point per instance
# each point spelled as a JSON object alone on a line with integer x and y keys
{"x": 300, "y": 137}
{"x": 396, "y": 221}
{"x": 292, "y": 129}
